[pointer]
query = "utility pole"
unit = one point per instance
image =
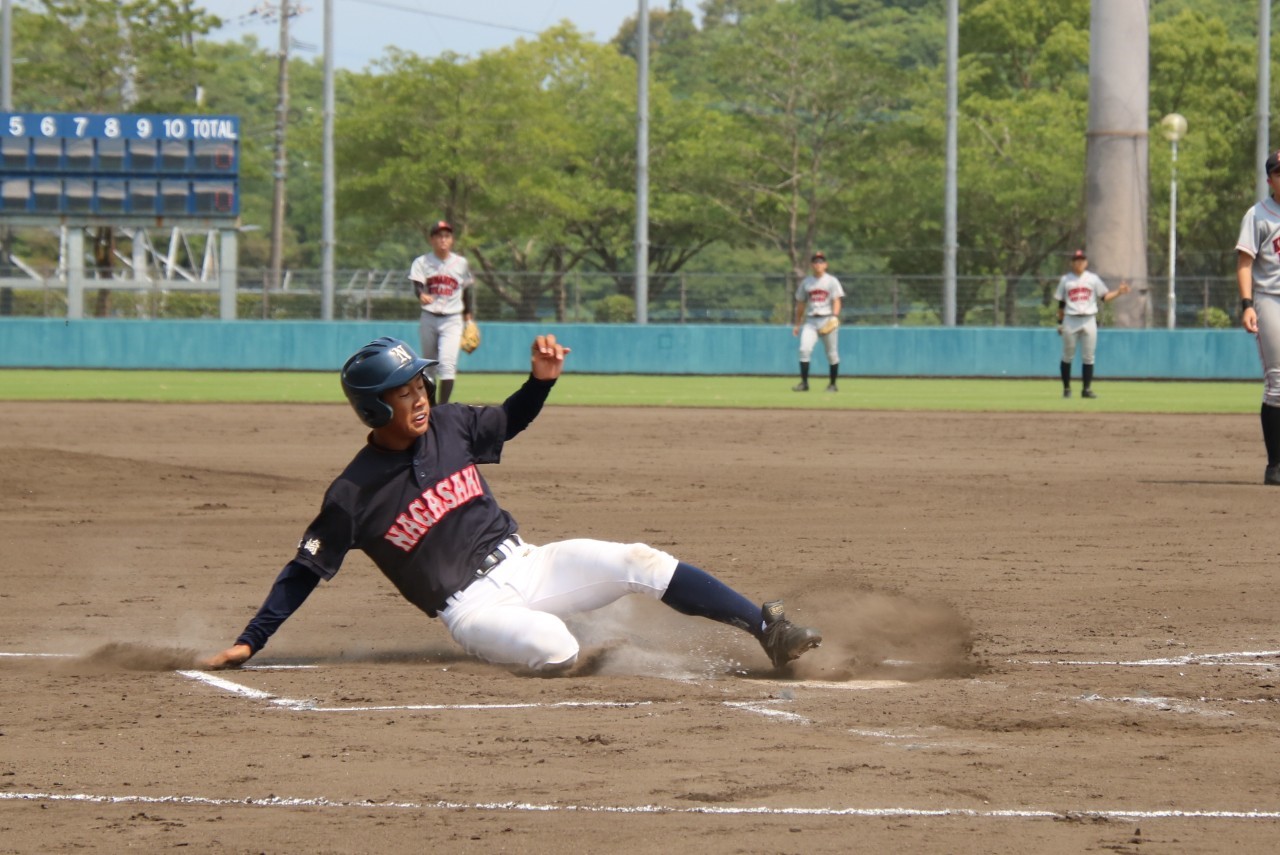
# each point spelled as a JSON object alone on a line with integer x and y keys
{"x": 1263, "y": 132}
{"x": 327, "y": 212}
{"x": 282, "y": 116}
{"x": 642, "y": 163}
{"x": 949, "y": 198}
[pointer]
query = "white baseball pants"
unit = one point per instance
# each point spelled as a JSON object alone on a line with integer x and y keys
{"x": 513, "y": 616}
{"x": 1083, "y": 328}
{"x": 809, "y": 336}
{"x": 1268, "y": 308}
{"x": 441, "y": 338}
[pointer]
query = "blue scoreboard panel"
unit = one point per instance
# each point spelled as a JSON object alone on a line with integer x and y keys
{"x": 97, "y": 166}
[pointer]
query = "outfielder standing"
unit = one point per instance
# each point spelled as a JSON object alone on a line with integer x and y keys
{"x": 414, "y": 501}
{"x": 444, "y": 285}
{"x": 1078, "y": 295}
{"x": 1258, "y": 276}
{"x": 819, "y": 299}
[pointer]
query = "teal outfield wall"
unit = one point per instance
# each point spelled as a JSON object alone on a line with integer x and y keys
{"x": 626, "y": 349}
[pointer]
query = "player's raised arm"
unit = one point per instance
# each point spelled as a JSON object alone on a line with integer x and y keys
{"x": 524, "y": 404}
{"x": 548, "y": 357}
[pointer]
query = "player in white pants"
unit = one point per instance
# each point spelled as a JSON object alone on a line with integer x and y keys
{"x": 1078, "y": 295}
{"x": 1258, "y": 277}
{"x": 445, "y": 287}
{"x": 414, "y": 501}
{"x": 819, "y": 298}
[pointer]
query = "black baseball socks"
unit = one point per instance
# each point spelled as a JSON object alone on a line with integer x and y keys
{"x": 696, "y": 592}
{"x": 1271, "y": 433}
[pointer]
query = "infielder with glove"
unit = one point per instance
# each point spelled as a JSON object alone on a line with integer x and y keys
{"x": 445, "y": 287}
{"x": 414, "y": 501}
{"x": 818, "y": 301}
{"x": 1078, "y": 295}
{"x": 1258, "y": 277}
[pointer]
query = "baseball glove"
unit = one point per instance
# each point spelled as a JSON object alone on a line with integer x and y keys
{"x": 470, "y": 337}
{"x": 829, "y": 326}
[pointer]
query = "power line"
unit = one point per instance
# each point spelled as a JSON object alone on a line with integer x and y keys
{"x": 402, "y": 8}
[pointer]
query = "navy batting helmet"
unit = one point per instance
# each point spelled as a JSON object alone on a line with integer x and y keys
{"x": 382, "y": 364}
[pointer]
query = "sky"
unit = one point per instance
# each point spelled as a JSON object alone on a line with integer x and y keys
{"x": 362, "y": 29}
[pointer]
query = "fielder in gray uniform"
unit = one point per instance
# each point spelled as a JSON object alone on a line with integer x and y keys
{"x": 818, "y": 302}
{"x": 1258, "y": 276}
{"x": 445, "y": 288}
{"x": 1078, "y": 295}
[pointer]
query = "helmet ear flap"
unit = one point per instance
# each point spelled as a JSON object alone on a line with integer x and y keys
{"x": 375, "y": 413}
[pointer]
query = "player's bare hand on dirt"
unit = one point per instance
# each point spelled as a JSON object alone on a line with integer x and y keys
{"x": 548, "y": 357}
{"x": 1250, "y": 320}
{"x": 232, "y": 657}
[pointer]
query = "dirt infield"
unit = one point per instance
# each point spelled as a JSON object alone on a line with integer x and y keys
{"x": 1044, "y": 634}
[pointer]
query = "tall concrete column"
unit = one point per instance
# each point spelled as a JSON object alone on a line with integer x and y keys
{"x": 1116, "y": 163}
{"x": 228, "y": 272}
{"x": 74, "y": 260}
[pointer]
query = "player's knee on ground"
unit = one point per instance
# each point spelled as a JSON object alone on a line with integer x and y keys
{"x": 514, "y": 635}
{"x": 552, "y": 651}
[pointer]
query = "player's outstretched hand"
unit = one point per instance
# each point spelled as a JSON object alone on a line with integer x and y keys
{"x": 548, "y": 357}
{"x": 1124, "y": 288}
{"x": 232, "y": 657}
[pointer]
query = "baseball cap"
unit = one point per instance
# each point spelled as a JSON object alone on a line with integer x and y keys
{"x": 818, "y": 256}
{"x": 441, "y": 226}
{"x": 1078, "y": 254}
{"x": 1273, "y": 162}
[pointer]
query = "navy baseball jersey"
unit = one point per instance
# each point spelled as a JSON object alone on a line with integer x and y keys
{"x": 425, "y": 516}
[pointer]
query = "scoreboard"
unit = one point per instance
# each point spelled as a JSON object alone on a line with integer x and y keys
{"x": 96, "y": 166}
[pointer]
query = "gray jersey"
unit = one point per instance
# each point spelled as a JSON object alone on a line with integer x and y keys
{"x": 819, "y": 295}
{"x": 1081, "y": 293}
{"x": 1260, "y": 239}
{"x": 444, "y": 279}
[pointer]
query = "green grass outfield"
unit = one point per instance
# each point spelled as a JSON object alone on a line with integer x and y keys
{"x": 1114, "y": 396}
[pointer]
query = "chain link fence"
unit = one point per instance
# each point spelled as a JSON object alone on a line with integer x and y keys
{"x": 601, "y": 297}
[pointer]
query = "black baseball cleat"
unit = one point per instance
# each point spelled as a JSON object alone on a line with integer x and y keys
{"x": 1088, "y": 393}
{"x": 782, "y": 639}
{"x": 1066, "y": 393}
{"x": 1272, "y": 476}
{"x": 831, "y": 387}
{"x": 800, "y": 387}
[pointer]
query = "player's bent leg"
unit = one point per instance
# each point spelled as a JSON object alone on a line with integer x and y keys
{"x": 509, "y": 634}
{"x": 581, "y": 575}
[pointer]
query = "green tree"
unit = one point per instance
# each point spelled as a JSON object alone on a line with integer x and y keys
{"x": 805, "y": 101}
{"x": 110, "y": 55}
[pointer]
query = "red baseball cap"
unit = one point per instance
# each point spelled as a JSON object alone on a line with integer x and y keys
{"x": 1077, "y": 255}
{"x": 441, "y": 226}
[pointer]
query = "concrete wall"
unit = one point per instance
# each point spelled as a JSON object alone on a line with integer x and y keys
{"x": 624, "y": 349}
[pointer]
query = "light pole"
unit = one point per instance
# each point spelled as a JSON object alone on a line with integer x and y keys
{"x": 1174, "y": 127}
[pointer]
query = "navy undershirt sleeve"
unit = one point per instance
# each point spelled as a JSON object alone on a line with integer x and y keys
{"x": 525, "y": 403}
{"x": 291, "y": 589}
